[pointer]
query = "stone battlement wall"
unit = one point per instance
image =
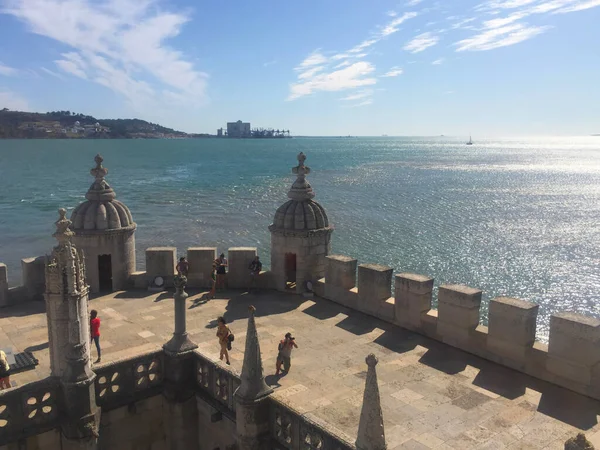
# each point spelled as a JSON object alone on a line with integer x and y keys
{"x": 570, "y": 359}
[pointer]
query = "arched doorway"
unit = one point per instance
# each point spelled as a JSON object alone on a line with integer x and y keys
{"x": 105, "y": 273}
{"x": 290, "y": 271}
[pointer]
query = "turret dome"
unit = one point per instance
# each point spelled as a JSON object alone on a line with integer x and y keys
{"x": 101, "y": 211}
{"x": 301, "y": 212}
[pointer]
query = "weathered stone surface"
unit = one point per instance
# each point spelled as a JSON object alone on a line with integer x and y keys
{"x": 201, "y": 260}
{"x": 340, "y": 271}
{"x": 374, "y": 283}
{"x": 33, "y": 277}
{"x": 371, "y": 434}
{"x": 161, "y": 262}
{"x": 575, "y": 337}
{"x": 239, "y": 259}
{"x": 513, "y": 320}
{"x": 459, "y": 295}
{"x": 4, "y": 299}
{"x": 413, "y": 298}
{"x": 180, "y": 342}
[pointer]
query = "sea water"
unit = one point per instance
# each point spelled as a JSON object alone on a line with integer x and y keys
{"x": 515, "y": 217}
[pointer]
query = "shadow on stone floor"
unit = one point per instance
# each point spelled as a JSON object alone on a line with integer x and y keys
{"x": 398, "y": 340}
{"x": 323, "y": 310}
{"x": 37, "y": 348}
{"x": 129, "y": 295}
{"x": 237, "y": 306}
{"x": 569, "y": 407}
{"x": 24, "y": 309}
{"x": 359, "y": 324}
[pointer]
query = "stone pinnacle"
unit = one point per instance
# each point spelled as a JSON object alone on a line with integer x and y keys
{"x": 253, "y": 386}
{"x": 371, "y": 435}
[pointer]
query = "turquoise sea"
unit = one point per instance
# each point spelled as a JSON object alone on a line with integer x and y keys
{"x": 517, "y": 217}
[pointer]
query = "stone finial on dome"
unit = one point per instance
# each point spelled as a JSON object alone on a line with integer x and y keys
{"x": 63, "y": 233}
{"x": 301, "y": 189}
{"x": 100, "y": 190}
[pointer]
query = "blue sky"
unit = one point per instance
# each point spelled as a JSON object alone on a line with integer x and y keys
{"x": 330, "y": 67}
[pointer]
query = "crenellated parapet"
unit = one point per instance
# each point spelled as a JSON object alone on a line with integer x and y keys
{"x": 570, "y": 359}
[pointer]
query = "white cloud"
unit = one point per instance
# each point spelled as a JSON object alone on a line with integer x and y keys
{"x": 393, "y": 72}
{"x": 501, "y": 22}
{"x": 343, "y": 64}
{"x": 117, "y": 43}
{"x": 7, "y": 71}
{"x": 579, "y": 6}
{"x": 392, "y": 26}
{"x": 421, "y": 42}
{"x": 352, "y": 76}
{"x": 364, "y": 103}
{"x": 310, "y": 72}
{"x": 269, "y": 63}
{"x": 52, "y": 73}
{"x": 391, "y": 13}
{"x": 359, "y": 95}
{"x": 413, "y": 2}
{"x": 500, "y": 37}
{"x": 10, "y": 100}
{"x": 437, "y": 62}
{"x": 314, "y": 59}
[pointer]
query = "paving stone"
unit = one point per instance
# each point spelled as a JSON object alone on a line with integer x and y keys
{"x": 427, "y": 389}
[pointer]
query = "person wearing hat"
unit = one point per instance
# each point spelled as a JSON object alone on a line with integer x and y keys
{"x": 285, "y": 353}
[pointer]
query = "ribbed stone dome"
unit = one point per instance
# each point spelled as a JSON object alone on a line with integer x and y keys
{"x": 301, "y": 213}
{"x": 101, "y": 211}
{"x": 94, "y": 215}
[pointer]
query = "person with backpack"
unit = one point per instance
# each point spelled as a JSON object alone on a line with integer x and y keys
{"x": 285, "y": 353}
{"x": 225, "y": 339}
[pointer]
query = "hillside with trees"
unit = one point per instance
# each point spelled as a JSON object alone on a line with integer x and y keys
{"x": 67, "y": 124}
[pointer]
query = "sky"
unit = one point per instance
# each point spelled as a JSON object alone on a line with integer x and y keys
{"x": 329, "y": 67}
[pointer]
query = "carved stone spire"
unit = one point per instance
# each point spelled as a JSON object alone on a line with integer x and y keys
{"x": 100, "y": 189}
{"x": 65, "y": 271}
{"x": 370, "y": 428}
{"x": 301, "y": 189}
{"x": 253, "y": 386}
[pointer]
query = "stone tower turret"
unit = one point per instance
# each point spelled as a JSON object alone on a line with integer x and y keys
{"x": 104, "y": 230}
{"x": 69, "y": 341}
{"x": 300, "y": 235}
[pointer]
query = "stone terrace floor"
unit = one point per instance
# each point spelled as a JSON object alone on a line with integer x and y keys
{"x": 433, "y": 396}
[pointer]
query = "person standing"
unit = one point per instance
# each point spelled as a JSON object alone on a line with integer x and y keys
{"x": 221, "y": 271}
{"x": 285, "y": 353}
{"x": 95, "y": 332}
{"x": 255, "y": 268}
{"x": 183, "y": 267}
{"x": 223, "y": 333}
{"x": 213, "y": 279}
{"x": 4, "y": 371}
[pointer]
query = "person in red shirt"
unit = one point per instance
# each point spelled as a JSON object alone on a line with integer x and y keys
{"x": 95, "y": 332}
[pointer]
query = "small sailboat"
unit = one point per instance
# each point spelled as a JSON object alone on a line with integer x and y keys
{"x": 470, "y": 141}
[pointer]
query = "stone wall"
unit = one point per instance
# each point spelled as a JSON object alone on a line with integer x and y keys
{"x": 571, "y": 359}
{"x": 215, "y": 430}
{"x": 139, "y": 425}
{"x": 50, "y": 440}
{"x": 33, "y": 282}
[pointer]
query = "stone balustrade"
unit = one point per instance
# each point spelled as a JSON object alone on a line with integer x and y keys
{"x": 292, "y": 430}
{"x": 29, "y": 410}
{"x": 216, "y": 384}
{"x": 128, "y": 380}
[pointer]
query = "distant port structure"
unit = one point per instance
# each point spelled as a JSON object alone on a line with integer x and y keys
{"x": 243, "y": 130}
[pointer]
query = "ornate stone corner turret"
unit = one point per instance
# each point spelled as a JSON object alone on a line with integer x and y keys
{"x": 579, "y": 442}
{"x": 68, "y": 336}
{"x": 252, "y": 411}
{"x": 253, "y": 386}
{"x": 180, "y": 342}
{"x": 371, "y": 435}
